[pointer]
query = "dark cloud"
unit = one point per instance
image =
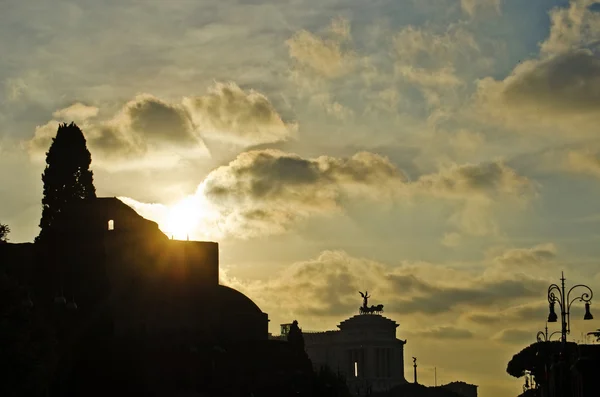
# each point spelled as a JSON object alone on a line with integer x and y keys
{"x": 278, "y": 187}
{"x": 528, "y": 314}
{"x": 516, "y": 336}
{"x": 156, "y": 119}
{"x": 112, "y": 142}
{"x": 487, "y": 179}
{"x": 565, "y": 83}
{"x": 535, "y": 256}
{"x": 149, "y": 125}
{"x": 145, "y": 124}
{"x": 328, "y": 286}
{"x": 438, "y": 299}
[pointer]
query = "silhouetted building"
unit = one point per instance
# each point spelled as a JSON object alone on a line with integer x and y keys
{"x": 364, "y": 349}
{"x": 137, "y": 311}
{"x": 154, "y": 285}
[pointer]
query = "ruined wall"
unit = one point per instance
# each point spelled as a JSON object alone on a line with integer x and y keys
{"x": 111, "y": 260}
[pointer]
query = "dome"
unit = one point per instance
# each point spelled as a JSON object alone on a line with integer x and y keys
{"x": 237, "y": 318}
{"x": 235, "y": 302}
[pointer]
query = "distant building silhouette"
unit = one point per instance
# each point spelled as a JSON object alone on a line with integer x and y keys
{"x": 364, "y": 349}
{"x": 367, "y": 353}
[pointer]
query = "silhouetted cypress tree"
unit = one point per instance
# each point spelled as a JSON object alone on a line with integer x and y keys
{"x": 4, "y": 230}
{"x": 67, "y": 177}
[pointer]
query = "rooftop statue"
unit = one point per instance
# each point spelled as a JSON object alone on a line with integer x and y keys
{"x": 365, "y": 298}
{"x": 365, "y": 309}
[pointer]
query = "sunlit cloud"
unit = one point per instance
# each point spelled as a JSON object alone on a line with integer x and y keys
{"x": 77, "y": 112}
{"x": 472, "y": 6}
{"x": 269, "y": 192}
{"x": 324, "y": 289}
{"x": 326, "y": 56}
{"x": 583, "y": 161}
{"x": 575, "y": 26}
{"x": 148, "y": 130}
{"x": 558, "y": 89}
{"x": 228, "y": 113}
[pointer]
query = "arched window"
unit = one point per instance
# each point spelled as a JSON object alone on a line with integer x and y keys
{"x": 111, "y": 225}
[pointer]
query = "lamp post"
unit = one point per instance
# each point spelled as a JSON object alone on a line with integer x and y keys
{"x": 542, "y": 336}
{"x": 558, "y": 295}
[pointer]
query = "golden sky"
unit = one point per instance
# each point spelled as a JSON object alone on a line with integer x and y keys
{"x": 441, "y": 154}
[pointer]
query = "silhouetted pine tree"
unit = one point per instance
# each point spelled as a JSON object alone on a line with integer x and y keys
{"x": 67, "y": 177}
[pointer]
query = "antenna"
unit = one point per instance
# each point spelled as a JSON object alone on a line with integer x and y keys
{"x": 435, "y": 376}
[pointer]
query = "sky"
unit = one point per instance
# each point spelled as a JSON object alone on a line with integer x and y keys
{"x": 441, "y": 154}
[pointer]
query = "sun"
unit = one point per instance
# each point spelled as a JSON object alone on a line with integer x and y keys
{"x": 183, "y": 218}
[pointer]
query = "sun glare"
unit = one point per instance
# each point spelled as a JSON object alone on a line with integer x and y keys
{"x": 182, "y": 218}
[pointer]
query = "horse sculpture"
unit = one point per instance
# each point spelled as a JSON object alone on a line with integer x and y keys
{"x": 371, "y": 310}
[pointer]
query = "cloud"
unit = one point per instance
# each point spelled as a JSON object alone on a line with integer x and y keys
{"x": 476, "y": 188}
{"x": 575, "y": 26}
{"x": 267, "y": 191}
{"x": 447, "y": 333}
{"x": 539, "y": 259}
{"x": 452, "y": 239}
{"x": 270, "y": 192}
{"x": 422, "y": 46}
{"x": 76, "y": 112}
{"x": 431, "y": 60}
{"x": 566, "y": 83}
{"x": 331, "y": 107}
{"x": 156, "y": 119}
{"x": 143, "y": 125}
{"x": 583, "y": 162}
{"x": 327, "y": 287}
{"x": 229, "y": 113}
{"x": 472, "y": 6}
{"x": 325, "y": 56}
{"x": 162, "y": 131}
{"x": 518, "y": 258}
{"x": 524, "y": 315}
{"x": 477, "y": 181}
{"x": 340, "y": 27}
{"x": 515, "y": 336}
{"x": 438, "y": 299}
{"x": 560, "y": 89}
{"x": 262, "y": 192}
{"x": 444, "y": 77}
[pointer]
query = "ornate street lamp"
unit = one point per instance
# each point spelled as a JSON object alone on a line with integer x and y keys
{"x": 564, "y": 300}
{"x": 542, "y": 336}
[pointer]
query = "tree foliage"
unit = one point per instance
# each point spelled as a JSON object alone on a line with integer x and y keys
{"x": 537, "y": 358}
{"x": 67, "y": 177}
{"x": 295, "y": 337}
{"x": 4, "y": 230}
